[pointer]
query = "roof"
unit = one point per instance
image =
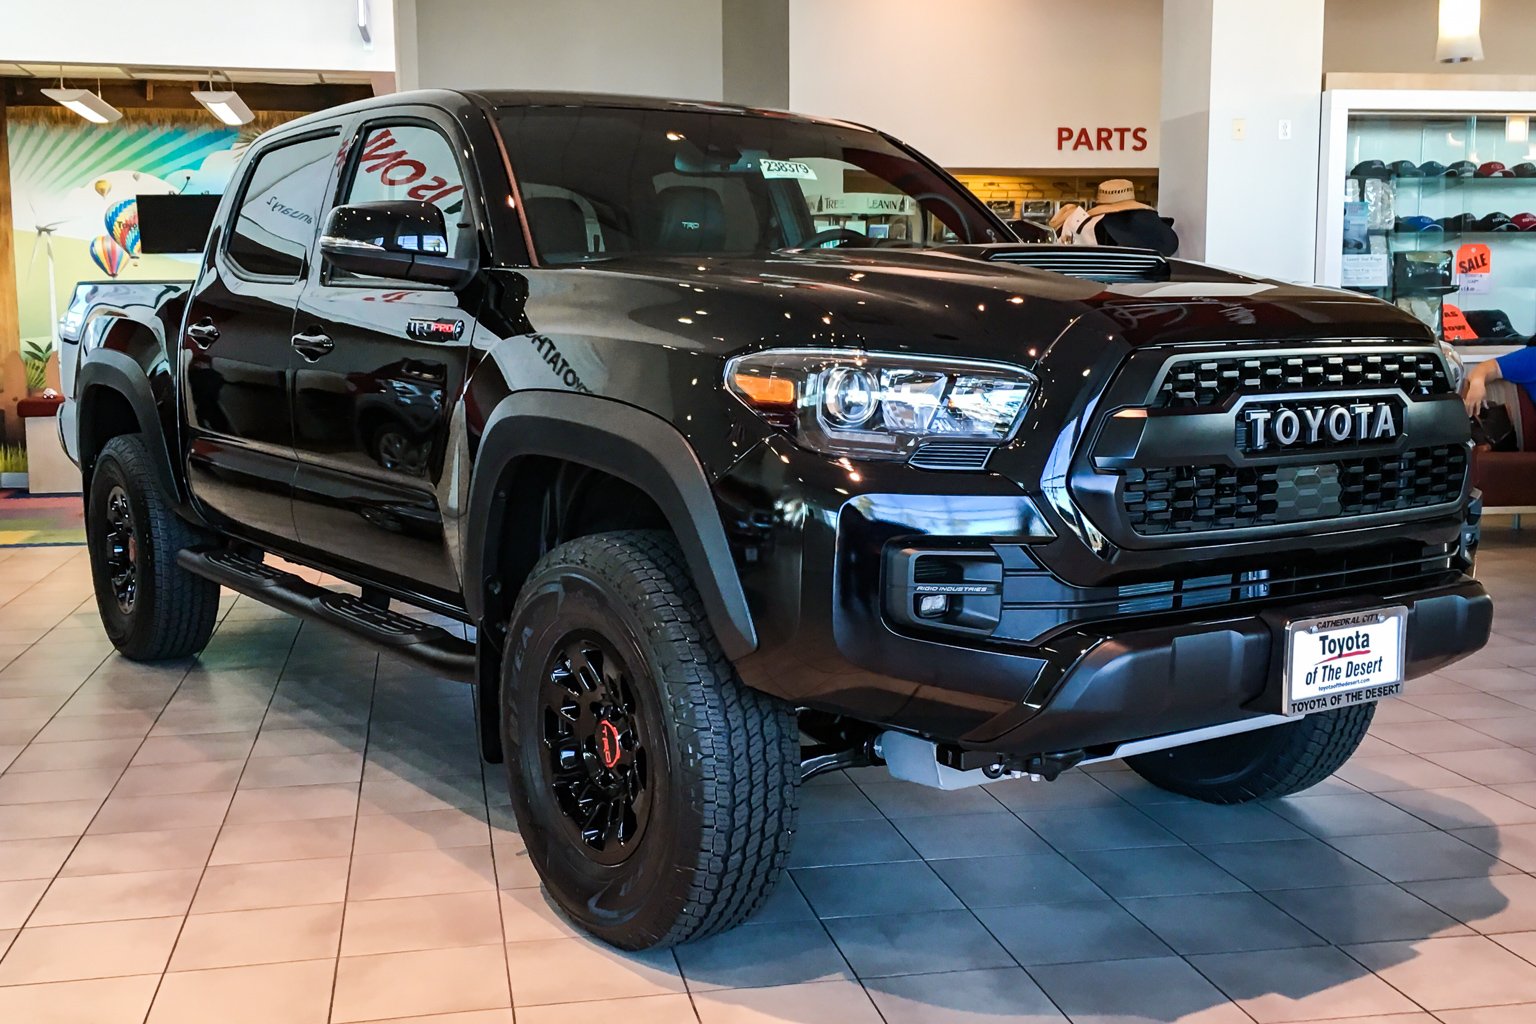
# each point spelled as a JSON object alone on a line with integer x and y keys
{"x": 508, "y": 98}
{"x": 522, "y": 98}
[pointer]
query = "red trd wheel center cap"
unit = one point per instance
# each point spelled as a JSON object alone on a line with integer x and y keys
{"x": 608, "y": 743}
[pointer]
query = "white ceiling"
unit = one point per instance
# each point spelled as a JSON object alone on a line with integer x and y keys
{"x": 75, "y": 72}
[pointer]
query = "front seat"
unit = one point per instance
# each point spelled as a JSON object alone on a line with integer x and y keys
{"x": 559, "y": 227}
{"x": 689, "y": 219}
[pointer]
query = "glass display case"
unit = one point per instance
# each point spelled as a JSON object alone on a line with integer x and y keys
{"x": 1428, "y": 200}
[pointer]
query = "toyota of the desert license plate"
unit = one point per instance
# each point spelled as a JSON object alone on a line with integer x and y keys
{"x": 1335, "y": 661}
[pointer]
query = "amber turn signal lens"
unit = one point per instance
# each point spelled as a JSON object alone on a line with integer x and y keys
{"x": 765, "y": 390}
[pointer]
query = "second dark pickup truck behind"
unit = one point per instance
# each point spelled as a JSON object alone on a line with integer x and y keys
{"x": 751, "y": 446}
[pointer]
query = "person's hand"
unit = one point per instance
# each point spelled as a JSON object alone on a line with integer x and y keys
{"x": 1474, "y": 393}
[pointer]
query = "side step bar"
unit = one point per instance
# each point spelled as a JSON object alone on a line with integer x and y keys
{"x": 431, "y": 647}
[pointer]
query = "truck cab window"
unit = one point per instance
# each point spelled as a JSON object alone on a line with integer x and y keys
{"x": 408, "y": 161}
{"x": 600, "y": 183}
{"x": 279, "y": 210}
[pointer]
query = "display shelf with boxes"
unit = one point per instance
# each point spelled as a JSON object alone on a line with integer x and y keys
{"x": 1428, "y": 200}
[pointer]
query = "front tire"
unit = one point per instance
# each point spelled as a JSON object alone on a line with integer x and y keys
{"x": 152, "y": 608}
{"x": 655, "y": 792}
{"x": 1261, "y": 765}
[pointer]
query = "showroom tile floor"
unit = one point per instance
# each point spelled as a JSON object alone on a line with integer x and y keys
{"x": 290, "y": 830}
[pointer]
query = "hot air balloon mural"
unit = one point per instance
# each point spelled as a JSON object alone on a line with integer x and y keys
{"x": 108, "y": 255}
{"x": 103, "y": 186}
{"x": 122, "y": 221}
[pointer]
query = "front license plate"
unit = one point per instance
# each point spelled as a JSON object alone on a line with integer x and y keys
{"x": 1335, "y": 661}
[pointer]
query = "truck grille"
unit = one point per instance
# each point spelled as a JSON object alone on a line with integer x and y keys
{"x": 1201, "y": 381}
{"x": 1192, "y": 499}
{"x": 1036, "y": 604}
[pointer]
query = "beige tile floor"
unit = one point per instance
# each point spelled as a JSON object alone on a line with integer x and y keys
{"x": 291, "y": 830}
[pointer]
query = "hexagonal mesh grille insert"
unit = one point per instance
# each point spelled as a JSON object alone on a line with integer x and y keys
{"x": 1197, "y": 383}
{"x": 1192, "y": 499}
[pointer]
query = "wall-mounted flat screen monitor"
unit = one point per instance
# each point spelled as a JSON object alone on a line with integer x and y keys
{"x": 175, "y": 224}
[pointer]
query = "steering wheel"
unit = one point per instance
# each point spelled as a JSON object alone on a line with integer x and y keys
{"x": 826, "y": 235}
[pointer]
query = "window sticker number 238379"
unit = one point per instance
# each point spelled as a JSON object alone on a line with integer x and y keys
{"x": 1339, "y": 660}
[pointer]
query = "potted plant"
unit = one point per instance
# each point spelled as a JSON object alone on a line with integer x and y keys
{"x": 13, "y": 466}
{"x": 35, "y": 353}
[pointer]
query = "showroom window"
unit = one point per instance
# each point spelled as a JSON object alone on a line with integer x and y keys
{"x": 280, "y": 208}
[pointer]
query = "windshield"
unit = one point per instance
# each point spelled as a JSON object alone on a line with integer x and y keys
{"x": 600, "y": 182}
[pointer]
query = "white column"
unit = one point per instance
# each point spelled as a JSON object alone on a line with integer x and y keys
{"x": 1242, "y": 88}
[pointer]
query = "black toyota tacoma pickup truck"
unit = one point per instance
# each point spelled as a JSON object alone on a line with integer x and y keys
{"x": 752, "y": 446}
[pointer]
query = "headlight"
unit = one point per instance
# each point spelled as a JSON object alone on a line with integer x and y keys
{"x": 874, "y": 405}
{"x": 1454, "y": 365}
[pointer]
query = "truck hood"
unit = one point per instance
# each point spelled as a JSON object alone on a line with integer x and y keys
{"x": 960, "y": 300}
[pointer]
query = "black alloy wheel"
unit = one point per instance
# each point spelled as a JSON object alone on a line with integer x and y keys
{"x": 655, "y": 792}
{"x": 595, "y": 745}
{"x": 151, "y": 607}
{"x": 121, "y": 549}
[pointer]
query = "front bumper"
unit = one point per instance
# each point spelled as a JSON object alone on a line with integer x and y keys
{"x": 1149, "y": 682}
{"x": 814, "y": 546}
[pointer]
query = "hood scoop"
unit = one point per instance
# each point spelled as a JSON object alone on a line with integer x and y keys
{"x": 1093, "y": 263}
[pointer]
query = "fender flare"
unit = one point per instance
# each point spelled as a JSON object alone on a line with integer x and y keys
{"x": 110, "y": 369}
{"x": 636, "y": 446}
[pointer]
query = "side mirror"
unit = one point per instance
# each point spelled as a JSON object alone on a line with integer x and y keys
{"x": 403, "y": 240}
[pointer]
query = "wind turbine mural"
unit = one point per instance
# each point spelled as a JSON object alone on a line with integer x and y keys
{"x": 35, "y": 352}
{"x": 44, "y": 241}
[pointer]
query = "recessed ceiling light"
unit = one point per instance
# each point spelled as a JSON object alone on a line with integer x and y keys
{"x": 85, "y": 103}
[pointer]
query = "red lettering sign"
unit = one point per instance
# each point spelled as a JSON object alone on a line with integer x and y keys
{"x": 1474, "y": 258}
{"x": 1102, "y": 139}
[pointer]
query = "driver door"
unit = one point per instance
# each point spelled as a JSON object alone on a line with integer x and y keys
{"x": 382, "y": 366}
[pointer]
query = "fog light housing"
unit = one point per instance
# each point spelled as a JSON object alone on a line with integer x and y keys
{"x": 931, "y": 606}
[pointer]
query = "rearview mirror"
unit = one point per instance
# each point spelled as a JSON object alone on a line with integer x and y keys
{"x": 404, "y": 240}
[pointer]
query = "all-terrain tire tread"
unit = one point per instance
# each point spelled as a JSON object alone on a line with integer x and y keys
{"x": 1309, "y": 752}
{"x": 739, "y": 749}
{"x": 183, "y": 607}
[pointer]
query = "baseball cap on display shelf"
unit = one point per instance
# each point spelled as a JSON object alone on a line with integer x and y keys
{"x": 1496, "y": 222}
{"x": 1460, "y": 222}
{"x": 1405, "y": 169}
{"x": 1433, "y": 169}
{"x": 1371, "y": 169}
{"x": 1524, "y": 170}
{"x": 1494, "y": 169}
{"x": 1492, "y": 323}
{"x": 1461, "y": 169}
{"x": 1418, "y": 222}
{"x": 1524, "y": 221}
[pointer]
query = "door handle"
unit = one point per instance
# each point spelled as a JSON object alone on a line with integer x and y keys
{"x": 312, "y": 346}
{"x": 203, "y": 331}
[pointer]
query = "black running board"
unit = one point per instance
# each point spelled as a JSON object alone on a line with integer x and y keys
{"x": 431, "y": 647}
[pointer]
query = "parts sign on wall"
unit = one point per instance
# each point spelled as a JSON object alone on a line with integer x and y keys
{"x": 1121, "y": 140}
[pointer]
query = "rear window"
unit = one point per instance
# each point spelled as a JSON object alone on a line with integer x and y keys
{"x": 279, "y": 209}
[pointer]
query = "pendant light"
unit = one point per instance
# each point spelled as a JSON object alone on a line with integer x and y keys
{"x": 227, "y": 106}
{"x": 1461, "y": 36}
{"x": 87, "y": 104}
{"x": 224, "y": 104}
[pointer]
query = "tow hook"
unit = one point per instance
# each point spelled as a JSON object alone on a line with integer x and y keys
{"x": 914, "y": 759}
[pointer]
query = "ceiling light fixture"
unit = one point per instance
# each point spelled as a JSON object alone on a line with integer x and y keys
{"x": 1517, "y": 128}
{"x": 85, "y": 103}
{"x": 226, "y": 106}
{"x": 1461, "y": 36}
